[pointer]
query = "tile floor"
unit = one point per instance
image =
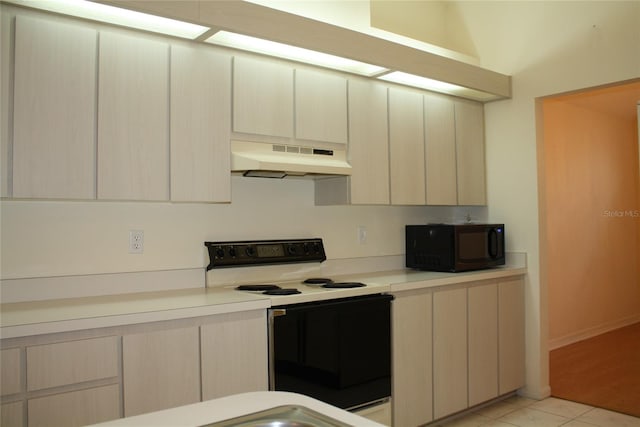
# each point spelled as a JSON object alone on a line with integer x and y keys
{"x": 550, "y": 412}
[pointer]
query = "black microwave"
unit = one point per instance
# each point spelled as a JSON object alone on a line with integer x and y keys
{"x": 454, "y": 247}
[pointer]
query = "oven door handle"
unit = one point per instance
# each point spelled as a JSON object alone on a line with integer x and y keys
{"x": 272, "y": 314}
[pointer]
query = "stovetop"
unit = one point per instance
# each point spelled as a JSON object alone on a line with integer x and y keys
{"x": 313, "y": 282}
{"x": 287, "y": 271}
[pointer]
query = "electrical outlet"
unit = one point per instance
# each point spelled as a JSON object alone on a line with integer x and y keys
{"x": 362, "y": 234}
{"x": 136, "y": 241}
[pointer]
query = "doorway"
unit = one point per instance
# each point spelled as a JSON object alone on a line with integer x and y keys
{"x": 589, "y": 190}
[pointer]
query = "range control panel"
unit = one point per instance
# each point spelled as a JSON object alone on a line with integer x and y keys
{"x": 247, "y": 253}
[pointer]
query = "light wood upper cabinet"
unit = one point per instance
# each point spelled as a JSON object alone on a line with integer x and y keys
{"x": 449, "y": 351}
{"x": 321, "y": 106}
{"x": 54, "y": 143}
{"x": 511, "y": 335}
{"x": 470, "y": 153}
{"x": 133, "y": 113}
{"x": 161, "y": 370}
{"x": 406, "y": 147}
{"x": 412, "y": 359}
{"x": 368, "y": 143}
{"x": 483, "y": 342}
{"x": 368, "y": 151}
{"x": 440, "y": 150}
{"x": 234, "y": 354}
{"x": 262, "y": 97}
{"x": 200, "y": 125}
{"x": 454, "y": 144}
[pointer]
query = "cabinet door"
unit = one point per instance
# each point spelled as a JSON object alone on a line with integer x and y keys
{"x": 12, "y": 414}
{"x": 449, "y": 352}
{"x": 412, "y": 359}
{"x": 160, "y": 370}
{"x": 262, "y": 97}
{"x": 440, "y": 150}
{"x": 200, "y": 125}
{"x": 406, "y": 147}
{"x": 321, "y": 106}
{"x": 52, "y": 365}
{"x": 11, "y": 371}
{"x": 234, "y": 354}
{"x": 368, "y": 142}
{"x": 368, "y": 151}
{"x": 133, "y": 117}
{"x": 511, "y": 335}
{"x": 483, "y": 342}
{"x": 54, "y": 110}
{"x": 470, "y": 153}
{"x": 77, "y": 408}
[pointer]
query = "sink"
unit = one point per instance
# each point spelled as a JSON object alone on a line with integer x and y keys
{"x": 282, "y": 416}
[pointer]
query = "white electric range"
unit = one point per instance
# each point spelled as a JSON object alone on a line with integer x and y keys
{"x": 285, "y": 271}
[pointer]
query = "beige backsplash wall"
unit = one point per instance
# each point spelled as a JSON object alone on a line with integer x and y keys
{"x": 59, "y": 238}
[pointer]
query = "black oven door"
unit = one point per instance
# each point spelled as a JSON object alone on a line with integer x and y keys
{"x": 337, "y": 351}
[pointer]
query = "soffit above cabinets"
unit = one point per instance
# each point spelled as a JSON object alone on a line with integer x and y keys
{"x": 255, "y": 20}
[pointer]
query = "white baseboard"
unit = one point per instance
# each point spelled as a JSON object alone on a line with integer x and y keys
{"x": 537, "y": 393}
{"x": 592, "y": 332}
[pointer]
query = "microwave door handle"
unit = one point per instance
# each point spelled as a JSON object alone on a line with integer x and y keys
{"x": 493, "y": 243}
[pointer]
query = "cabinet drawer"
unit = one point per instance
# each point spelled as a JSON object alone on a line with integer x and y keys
{"x": 53, "y": 365}
{"x": 11, "y": 371}
{"x": 76, "y": 408}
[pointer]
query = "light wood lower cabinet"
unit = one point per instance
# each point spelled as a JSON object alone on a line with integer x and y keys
{"x": 161, "y": 370}
{"x": 510, "y": 335}
{"x": 90, "y": 376}
{"x": 412, "y": 359}
{"x": 12, "y": 414}
{"x": 455, "y": 347}
{"x": 73, "y": 362}
{"x": 11, "y": 371}
{"x": 449, "y": 352}
{"x": 234, "y": 354}
{"x": 483, "y": 342}
{"x": 76, "y": 408}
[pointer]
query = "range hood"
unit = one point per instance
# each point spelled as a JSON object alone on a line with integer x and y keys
{"x": 268, "y": 160}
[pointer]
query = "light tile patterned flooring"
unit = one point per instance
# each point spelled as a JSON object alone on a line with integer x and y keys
{"x": 550, "y": 412}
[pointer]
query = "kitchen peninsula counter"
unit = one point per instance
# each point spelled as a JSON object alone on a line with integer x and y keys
{"x": 226, "y": 408}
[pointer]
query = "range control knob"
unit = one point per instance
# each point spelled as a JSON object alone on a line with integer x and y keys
{"x": 250, "y": 251}
{"x": 292, "y": 250}
{"x": 219, "y": 252}
{"x": 232, "y": 251}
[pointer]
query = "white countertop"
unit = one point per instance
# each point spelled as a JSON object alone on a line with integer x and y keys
{"x": 63, "y": 315}
{"x": 225, "y": 408}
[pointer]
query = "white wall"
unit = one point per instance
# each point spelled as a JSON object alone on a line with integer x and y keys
{"x": 548, "y": 48}
{"x": 49, "y": 238}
